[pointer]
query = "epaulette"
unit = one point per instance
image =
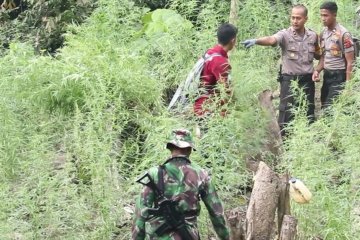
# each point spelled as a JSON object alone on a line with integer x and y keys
{"x": 311, "y": 30}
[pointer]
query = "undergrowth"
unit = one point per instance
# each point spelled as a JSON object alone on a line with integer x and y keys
{"x": 79, "y": 127}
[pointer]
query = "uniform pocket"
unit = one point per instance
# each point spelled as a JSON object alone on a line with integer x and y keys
{"x": 311, "y": 49}
{"x": 293, "y": 51}
{"x": 335, "y": 50}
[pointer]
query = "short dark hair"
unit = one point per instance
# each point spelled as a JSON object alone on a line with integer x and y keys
{"x": 225, "y": 33}
{"x": 302, "y": 6}
{"x": 331, "y": 6}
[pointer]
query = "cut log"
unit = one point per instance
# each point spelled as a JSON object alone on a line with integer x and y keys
{"x": 263, "y": 203}
{"x": 284, "y": 200}
{"x": 288, "y": 230}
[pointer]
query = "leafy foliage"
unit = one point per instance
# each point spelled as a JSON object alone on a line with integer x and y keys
{"x": 78, "y": 127}
{"x": 43, "y": 23}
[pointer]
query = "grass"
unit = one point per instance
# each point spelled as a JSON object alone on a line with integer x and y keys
{"x": 98, "y": 109}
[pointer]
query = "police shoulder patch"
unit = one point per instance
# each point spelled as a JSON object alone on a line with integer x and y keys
{"x": 348, "y": 42}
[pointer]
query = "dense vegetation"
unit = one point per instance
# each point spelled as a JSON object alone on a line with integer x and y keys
{"x": 41, "y": 23}
{"x": 78, "y": 127}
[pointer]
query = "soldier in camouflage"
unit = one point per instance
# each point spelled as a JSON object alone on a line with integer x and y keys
{"x": 184, "y": 182}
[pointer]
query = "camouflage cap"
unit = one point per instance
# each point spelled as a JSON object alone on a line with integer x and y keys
{"x": 181, "y": 138}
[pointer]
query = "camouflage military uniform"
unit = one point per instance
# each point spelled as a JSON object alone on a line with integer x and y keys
{"x": 186, "y": 183}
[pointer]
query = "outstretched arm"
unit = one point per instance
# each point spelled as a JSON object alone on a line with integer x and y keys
{"x": 263, "y": 41}
{"x": 266, "y": 41}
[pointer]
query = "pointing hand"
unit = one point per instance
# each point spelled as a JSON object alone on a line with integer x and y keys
{"x": 249, "y": 43}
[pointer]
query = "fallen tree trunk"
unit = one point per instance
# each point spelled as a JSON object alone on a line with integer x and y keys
{"x": 273, "y": 142}
{"x": 263, "y": 203}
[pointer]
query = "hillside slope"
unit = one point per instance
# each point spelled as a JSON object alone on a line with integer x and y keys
{"x": 78, "y": 128}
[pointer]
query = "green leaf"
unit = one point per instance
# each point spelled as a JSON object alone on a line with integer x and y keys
{"x": 164, "y": 20}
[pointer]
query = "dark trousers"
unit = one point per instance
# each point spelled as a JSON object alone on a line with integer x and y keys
{"x": 332, "y": 86}
{"x": 288, "y": 98}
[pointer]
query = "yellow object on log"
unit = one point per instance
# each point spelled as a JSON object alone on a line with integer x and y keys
{"x": 299, "y": 192}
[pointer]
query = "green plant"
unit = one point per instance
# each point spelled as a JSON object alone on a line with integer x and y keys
{"x": 78, "y": 127}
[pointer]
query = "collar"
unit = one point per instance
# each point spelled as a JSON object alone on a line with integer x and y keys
{"x": 335, "y": 28}
{"x": 182, "y": 157}
{"x": 219, "y": 49}
{"x": 294, "y": 33}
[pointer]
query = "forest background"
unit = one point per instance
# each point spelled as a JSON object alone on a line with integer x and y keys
{"x": 84, "y": 87}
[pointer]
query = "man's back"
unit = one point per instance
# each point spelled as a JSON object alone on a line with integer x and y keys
{"x": 217, "y": 68}
{"x": 215, "y": 71}
{"x": 185, "y": 183}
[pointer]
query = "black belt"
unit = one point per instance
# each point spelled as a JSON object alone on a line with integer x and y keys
{"x": 297, "y": 76}
{"x": 337, "y": 71}
{"x": 301, "y": 78}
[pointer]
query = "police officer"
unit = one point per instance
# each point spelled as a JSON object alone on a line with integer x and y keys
{"x": 337, "y": 54}
{"x": 185, "y": 183}
{"x": 299, "y": 46}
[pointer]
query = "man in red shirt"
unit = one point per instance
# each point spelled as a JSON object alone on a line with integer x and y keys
{"x": 216, "y": 70}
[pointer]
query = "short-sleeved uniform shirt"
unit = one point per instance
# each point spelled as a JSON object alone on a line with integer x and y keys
{"x": 331, "y": 41}
{"x": 297, "y": 51}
